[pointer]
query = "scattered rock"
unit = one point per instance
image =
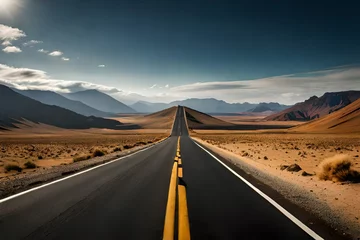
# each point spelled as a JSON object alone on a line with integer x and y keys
{"x": 294, "y": 168}
{"x": 305, "y": 174}
{"x": 265, "y": 158}
{"x": 283, "y": 167}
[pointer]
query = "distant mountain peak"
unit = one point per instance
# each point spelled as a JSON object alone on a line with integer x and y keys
{"x": 316, "y": 107}
{"x": 100, "y": 101}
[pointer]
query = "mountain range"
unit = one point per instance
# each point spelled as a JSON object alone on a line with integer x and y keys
{"x": 100, "y": 101}
{"x": 14, "y": 107}
{"x": 52, "y": 98}
{"x": 316, "y": 107}
{"x": 345, "y": 120}
{"x": 210, "y": 105}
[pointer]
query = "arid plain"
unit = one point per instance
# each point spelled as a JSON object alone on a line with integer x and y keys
{"x": 47, "y": 146}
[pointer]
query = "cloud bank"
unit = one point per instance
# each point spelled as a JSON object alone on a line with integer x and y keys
{"x": 287, "y": 89}
{"x": 26, "y": 78}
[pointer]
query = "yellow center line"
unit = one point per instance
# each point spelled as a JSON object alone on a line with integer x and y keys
{"x": 175, "y": 188}
{"x": 183, "y": 224}
{"x": 180, "y": 172}
{"x": 170, "y": 207}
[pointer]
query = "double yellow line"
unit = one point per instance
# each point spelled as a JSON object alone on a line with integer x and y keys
{"x": 177, "y": 186}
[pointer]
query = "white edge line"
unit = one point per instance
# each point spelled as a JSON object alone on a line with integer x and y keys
{"x": 270, "y": 200}
{"x": 76, "y": 174}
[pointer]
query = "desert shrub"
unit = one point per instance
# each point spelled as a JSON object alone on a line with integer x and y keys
{"x": 98, "y": 153}
{"x": 14, "y": 167}
{"x": 30, "y": 165}
{"x": 40, "y": 157}
{"x": 81, "y": 158}
{"x": 338, "y": 169}
{"x": 128, "y": 146}
{"x": 117, "y": 149}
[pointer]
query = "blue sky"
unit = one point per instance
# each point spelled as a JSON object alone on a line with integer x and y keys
{"x": 165, "y": 50}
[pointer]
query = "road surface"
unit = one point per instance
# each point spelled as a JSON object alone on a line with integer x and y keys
{"x": 128, "y": 199}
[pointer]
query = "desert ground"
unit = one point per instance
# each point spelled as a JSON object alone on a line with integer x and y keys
{"x": 276, "y": 148}
{"x": 257, "y": 120}
{"x": 47, "y": 146}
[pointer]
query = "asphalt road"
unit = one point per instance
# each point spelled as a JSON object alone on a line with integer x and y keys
{"x": 127, "y": 200}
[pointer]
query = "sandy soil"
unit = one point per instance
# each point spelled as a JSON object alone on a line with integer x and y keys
{"x": 256, "y": 120}
{"x": 47, "y": 146}
{"x": 268, "y": 151}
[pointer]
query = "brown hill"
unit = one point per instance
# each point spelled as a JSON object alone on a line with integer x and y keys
{"x": 199, "y": 120}
{"x": 346, "y": 120}
{"x": 160, "y": 120}
{"x": 14, "y": 108}
{"x": 316, "y": 107}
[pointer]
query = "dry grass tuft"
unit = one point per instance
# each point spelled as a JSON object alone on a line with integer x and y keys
{"x": 98, "y": 153}
{"x": 338, "y": 169}
{"x": 13, "y": 167}
{"x": 30, "y": 165}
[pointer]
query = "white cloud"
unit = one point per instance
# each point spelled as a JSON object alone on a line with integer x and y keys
{"x": 101, "y": 66}
{"x": 167, "y": 86}
{"x": 287, "y": 89}
{"x": 12, "y": 49}
{"x": 8, "y": 33}
{"x": 6, "y": 43}
{"x": 26, "y": 78}
{"x": 32, "y": 42}
{"x": 65, "y": 59}
{"x": 56, "y": 53}
{"x": 43, "y": 51}
{"x": 153, "y": 86}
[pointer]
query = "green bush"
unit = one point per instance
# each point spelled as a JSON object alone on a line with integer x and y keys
{"x": 30, "y": 165}
{"x": 14, "y": 167}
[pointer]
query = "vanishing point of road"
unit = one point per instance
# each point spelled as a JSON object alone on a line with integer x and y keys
{"x": 175, "y": 189}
